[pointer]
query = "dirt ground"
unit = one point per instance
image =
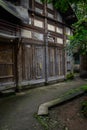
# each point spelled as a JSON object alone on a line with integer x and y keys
{"x": 68, "y": 116}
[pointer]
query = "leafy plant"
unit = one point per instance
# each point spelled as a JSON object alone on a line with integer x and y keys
{"x": 84, "y": 88}
{"x": 43, "y": 120}
{"x": 46, "y": 122}
{"x": 70, "y": 76}
{"x": 79, "y": 40}
{"x": 84, "y": 108}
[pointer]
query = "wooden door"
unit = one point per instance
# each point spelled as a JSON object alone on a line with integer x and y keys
{"x": 6, "y": 63}
{"x": 33, "y": 62}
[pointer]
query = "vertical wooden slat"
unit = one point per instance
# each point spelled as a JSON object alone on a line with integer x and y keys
{"x": 64, "y": 53}
{"x": 46, "y": 47}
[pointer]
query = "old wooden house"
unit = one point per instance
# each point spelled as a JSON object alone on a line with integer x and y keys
{"x": 32, "y": 41}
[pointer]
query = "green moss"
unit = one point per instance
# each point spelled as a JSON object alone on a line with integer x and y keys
{"x": 46, "y": 122}
{"x": 43, "y": 120}
{"x": 72, "y": 91}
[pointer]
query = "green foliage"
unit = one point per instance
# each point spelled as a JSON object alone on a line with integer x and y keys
{"x": 81, "y": 9}
{"x": 64, "y": 4}
{"x": 84, "y": 108}
{"x": 46, "y": 122}
{"x": 43, "y": 120}
{"x": 58, "y": 4}
{"x": 84, "y": 88}
{"x": 79, "y": 40}
{"x": 70, "y": 76}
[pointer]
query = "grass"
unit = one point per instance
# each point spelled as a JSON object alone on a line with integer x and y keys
{"x": 43, "y": 120}
{"x": 84, "y": 88}
{"x": 46, "y": 122}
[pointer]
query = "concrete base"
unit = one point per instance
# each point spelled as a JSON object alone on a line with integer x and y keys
{"x": 43, "y": 108}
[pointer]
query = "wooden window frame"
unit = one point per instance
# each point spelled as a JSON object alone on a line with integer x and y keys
{"x": 38, "y": 5}
{"x": 39, "y": 19}
{"x": 37, "y": 39}
{"x": 60, "y": 27}
{"x": 49, "y": 8}
{"x": 42, "y": 26}
{"x": 53, "y": 24}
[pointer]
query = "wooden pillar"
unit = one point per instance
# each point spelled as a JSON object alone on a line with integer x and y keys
{"x": 64, "y": 54}
{"x": 17, "y": 65}
{"x": 46, "y": 48}
{"x": 46, "y": 59}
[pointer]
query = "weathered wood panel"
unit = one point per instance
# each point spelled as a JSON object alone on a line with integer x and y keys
{"x": 60, "y": 61}
{"x": 51, "y": 61}
{"x": 56, "y": 63}
{"x": 33, "y": 62}
{"x": 39, "y": 62}
{"x": 27, "y": 62}
{"x": 8, "y": 28}
{"x": 6, "y": 63}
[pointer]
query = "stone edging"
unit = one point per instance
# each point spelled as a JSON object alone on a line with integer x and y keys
{"x": 43, "y": 108}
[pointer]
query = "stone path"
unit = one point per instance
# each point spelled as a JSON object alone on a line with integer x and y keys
{"x": 17, "y": 111}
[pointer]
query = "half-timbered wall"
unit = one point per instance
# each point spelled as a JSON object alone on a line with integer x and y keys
{"x": 40, "y": 51}
{"x": 39, "y": 31}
